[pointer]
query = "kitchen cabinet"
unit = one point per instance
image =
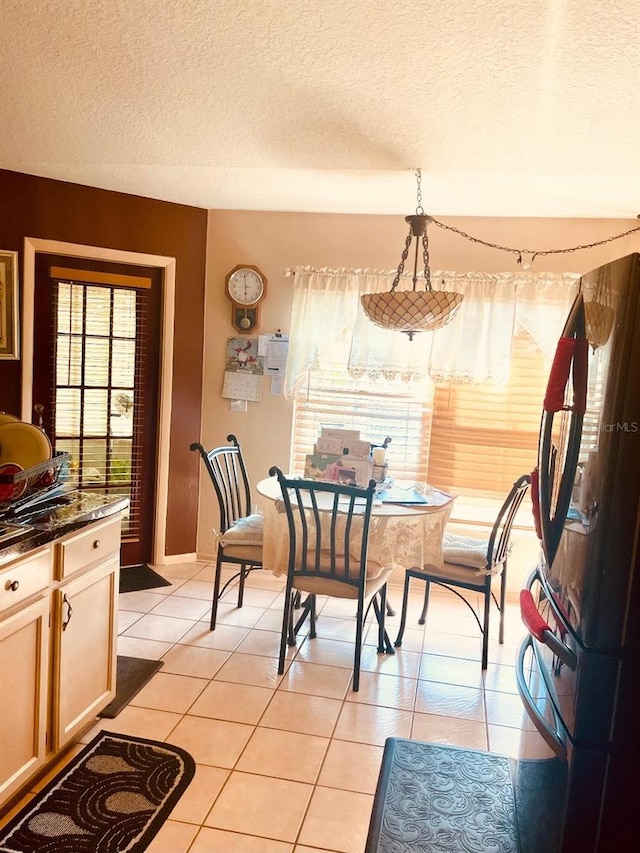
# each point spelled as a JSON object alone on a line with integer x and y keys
{"x": 24, "y": 661}
{"x": 58, "y": 647}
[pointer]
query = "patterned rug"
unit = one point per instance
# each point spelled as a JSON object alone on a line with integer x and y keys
{"x": 442, "y": 799}
{"x": 113, "y": 797}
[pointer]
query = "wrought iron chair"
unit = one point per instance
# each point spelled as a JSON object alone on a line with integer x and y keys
{"x": 240, "y": 534}
{"x": 328, "y": 537}
{"x": 472, "y": 564}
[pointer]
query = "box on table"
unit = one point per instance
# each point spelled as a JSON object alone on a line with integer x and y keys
{"x": 334, "y": 440}
{"x": 345, "y": 469}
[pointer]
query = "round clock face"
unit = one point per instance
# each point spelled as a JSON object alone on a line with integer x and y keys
{"x": 246, "y": 286}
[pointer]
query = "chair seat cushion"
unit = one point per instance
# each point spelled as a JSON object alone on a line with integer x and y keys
{"x": 377, "y": 576}
{"x": 465, "y": 551}
{"x": 248, "y": 553}
{"x": 244, "y": 531}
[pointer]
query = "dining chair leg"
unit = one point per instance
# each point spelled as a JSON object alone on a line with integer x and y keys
{"x": 358, "y": 649}
{"x": 425, "y": 603}
{"x": 384, "y": 643}
{"x": 243, "y": 574}
{"x": 287, "y": 627}
{"x": 503, "y": 595}
{"x": 312, "y": 617}
{"x": 403, "y": 616}
{"x": 292, "y": 629}
{"x": 381, "y": 614}
{"x": 216, "y": 593}
{"x": 485, "y": 628}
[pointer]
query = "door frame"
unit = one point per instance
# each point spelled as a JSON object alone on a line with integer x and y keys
{"x": 32, "y": 246}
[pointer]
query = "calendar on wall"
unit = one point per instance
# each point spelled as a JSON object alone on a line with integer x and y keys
{"x": 244, "y": 370}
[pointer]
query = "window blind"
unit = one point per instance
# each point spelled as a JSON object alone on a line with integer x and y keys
{"x": 376, "y": 408}
{"x": 97, "y": 403}
{"x": 484, "y": 437}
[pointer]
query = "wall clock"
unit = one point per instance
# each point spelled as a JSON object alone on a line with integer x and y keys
{"x": 246, "y": 287}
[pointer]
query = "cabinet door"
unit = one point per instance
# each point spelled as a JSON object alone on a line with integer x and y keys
{"x": 24, "y": 661}
{"x": 85, "y": 635}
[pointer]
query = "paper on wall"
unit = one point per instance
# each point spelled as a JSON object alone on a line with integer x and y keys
{"x": 242, "y": 386}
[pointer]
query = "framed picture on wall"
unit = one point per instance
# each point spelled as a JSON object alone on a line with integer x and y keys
{"x": 9, "y": 338}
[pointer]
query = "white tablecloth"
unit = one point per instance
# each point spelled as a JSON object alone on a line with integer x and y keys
{"x": 400, "y": 536}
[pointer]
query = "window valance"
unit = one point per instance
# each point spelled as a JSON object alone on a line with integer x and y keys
{"x": 475, "y": 347}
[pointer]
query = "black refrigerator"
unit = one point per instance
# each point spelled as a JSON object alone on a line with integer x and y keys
{"x": 578, "y": 669}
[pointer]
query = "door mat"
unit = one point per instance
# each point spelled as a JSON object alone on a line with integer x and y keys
{"x": 434, "y": 797}
{"x": 113, "y": 796}
{"x": 133, "y": 674}
{"x": 134, "y": 578}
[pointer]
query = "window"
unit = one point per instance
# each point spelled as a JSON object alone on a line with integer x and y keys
{"x": 470, "y": 440}
{"x": 377, "y": 408}
{"x": 97, "y": 368}
{"x": 485, "y": 436}
{"x": 473, "y": 439}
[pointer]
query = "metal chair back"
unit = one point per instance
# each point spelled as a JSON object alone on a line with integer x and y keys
{"x": 226, "y": 468}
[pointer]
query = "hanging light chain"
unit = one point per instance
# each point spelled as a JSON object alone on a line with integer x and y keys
{"x": 403, "y": 258}
{"x": 425, "y": 258}
{"x": 520, "y": 252}
{"x": 419, "y": 207}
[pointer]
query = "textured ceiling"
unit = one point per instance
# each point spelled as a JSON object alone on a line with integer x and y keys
{"x": 510, "y": 107}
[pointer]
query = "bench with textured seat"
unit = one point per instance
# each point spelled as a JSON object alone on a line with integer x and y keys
{"x": 442, "y": 799}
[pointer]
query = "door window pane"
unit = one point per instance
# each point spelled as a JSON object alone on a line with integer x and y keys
{"x": 95, "y": 412}
{"x": 94, "y": 462}
{"x": 68, "y": 403}
{"x": 121, "y": 415}
{"x": 124, "y": 363}
{"x": 69, "y": 361}
{"x": 124, "y": 312}
{"x": 96, "y": 362}
{"x": 98, "y": 319}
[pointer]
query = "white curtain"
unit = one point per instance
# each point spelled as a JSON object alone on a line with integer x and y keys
{"x": 474, "y": 347}
{"x": 543, "y": 301}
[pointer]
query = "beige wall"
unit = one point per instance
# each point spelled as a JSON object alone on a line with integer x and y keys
{"x": 277, "y": 241}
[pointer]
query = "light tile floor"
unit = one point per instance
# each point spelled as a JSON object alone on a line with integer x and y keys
{"x": 289, "y": 764}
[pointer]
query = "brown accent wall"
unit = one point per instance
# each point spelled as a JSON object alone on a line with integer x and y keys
{"x": 55, "y": 210}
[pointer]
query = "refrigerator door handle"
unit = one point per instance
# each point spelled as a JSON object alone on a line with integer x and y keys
{"x": 552, "y": 736}
{"x": 541, "y": 630}
{"x": 571, "y": 359}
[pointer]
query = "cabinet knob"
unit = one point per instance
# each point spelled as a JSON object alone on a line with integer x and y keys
{"x": 96, "y": 543}
{"x": 14, "y": 586}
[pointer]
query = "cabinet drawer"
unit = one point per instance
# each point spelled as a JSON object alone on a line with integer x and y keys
{"x": 88, "y": 547}
{"x": 24, "y": 578}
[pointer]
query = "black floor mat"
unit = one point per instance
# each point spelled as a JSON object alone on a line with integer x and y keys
{"x": 134, "y": 578}
{"x": 133, "y": 674}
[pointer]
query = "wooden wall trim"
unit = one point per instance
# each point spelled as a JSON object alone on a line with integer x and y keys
{"x": 95, "y": 277}
{"x": 33, "y": 245}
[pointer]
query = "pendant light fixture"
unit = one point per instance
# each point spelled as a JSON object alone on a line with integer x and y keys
{"x": 416, "y": 310}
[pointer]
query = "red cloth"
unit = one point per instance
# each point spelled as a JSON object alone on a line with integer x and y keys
{"x": 570, "y": 351}
{"x": 531, "y": 617}
{"x": 559, "y": 376}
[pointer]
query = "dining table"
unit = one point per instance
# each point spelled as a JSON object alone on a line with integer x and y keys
{"x": 403, "y": 534}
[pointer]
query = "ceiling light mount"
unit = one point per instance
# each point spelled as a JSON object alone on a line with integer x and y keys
{"x": 412, "y": 311}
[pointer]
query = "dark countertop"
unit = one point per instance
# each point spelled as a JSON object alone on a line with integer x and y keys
{"x": 69, "y": 513}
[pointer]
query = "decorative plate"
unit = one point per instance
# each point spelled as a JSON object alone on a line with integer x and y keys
{"x": 23, "y": 444}
{"x": 6, "y": 418}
